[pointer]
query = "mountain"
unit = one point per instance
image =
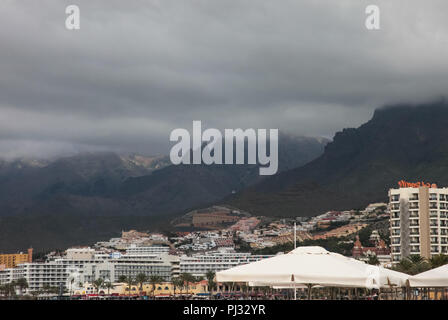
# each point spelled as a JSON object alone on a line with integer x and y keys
{"x": 27, "y": 185}
{"x": 359, "y": 165}
{"x": 88, "y": 197}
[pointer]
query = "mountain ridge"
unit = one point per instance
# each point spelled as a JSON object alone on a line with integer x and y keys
{"x": 359, "y": 165}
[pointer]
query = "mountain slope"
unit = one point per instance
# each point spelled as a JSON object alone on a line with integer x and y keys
{"x": 87, "y": 190}
{"x": 360, "y": 165}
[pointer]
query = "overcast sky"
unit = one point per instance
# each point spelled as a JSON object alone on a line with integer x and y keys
{"x": 138, "y": 69}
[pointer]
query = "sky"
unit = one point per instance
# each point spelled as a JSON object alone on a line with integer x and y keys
{"x": 136, "y": 70}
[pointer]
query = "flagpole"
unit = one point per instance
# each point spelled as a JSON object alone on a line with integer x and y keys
{"x": 295, "y": 237}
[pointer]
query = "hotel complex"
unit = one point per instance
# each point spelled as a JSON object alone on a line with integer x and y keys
{"x": 418, "y": 220}
{"x": 85, "y": 265}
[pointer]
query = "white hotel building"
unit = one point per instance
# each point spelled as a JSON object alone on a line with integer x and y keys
{"x": 418, "y": 220}
{"x": 86, "y": 265}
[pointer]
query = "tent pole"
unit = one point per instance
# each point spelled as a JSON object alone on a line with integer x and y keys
{"x": 295, "y": 292}
{"x": 309, "y": 291}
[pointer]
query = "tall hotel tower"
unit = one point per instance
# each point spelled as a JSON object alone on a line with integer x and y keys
{"x": 418, "y": 220}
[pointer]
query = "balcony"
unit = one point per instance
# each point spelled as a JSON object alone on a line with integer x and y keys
{"x": 395, "y": 197}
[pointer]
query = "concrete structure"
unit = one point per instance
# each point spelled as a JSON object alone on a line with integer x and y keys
{"x": 418, "y": 220}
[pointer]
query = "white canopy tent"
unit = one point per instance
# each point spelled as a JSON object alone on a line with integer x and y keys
{"x": 312, "y": 266}
{"x": 434, "y": 278}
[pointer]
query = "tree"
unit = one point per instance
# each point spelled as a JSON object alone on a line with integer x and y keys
{"x": 438, "y": 260}
{"x": 98, "y": 284}
{"x": 109, "y": 285}
{"x": 210, "y": 275}
{"x": 7, "y": 289}
{"x": 199, "y": 279}
{"x": 373, "y": 260}
{"x": 22, "y": 284}
{"x": 129, "y": 282}
{"x": 122, "y": 279}
{"x": 187, "y": 279}
{"x": 177, "y": 283}
{"x": 141, "y": 279}
{"x": 412, "y": 265}
{"x": 154, "y": 280}
{"x": 404, "y": 265}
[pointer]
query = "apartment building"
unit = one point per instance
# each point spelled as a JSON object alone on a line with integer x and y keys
{"x": 14, "y": 259}
{"x": 418, "y": 220}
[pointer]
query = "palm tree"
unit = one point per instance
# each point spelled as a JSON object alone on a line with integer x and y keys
{"x": 9, "y": 289}
{"x": 130, "y": 282}
{"x": 141, "y": 279}
{"x": 109, "y": 285}
{"x": 438, "y": 260}
{"x": 154, "y": 280}
{"x": 404, "y": 265}
{"x": 4, "y": 289}
{"x": 199, "y": 279}
{"x": 210, "y": 275}
{"x": 373, "y": 260}
{"x": 177, "y": 283}
{"x": 22, "y": 284}
{"x": 122, "y": 279}
{"x": 419, "y": 264}
{"x": 72, "y": 281}
{"x": 98, "y": 284}
{"x": 187, "y": 279}
{"x": 46, "y": 289}
{"x": 414, "y": 264}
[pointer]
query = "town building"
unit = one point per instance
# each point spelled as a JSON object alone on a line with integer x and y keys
{"x": 379, "y": 249}
{"x": 14, "y": 259}
{"x": 418, "y": 220}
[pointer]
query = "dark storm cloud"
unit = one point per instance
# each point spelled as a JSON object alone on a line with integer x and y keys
{"x": 138, "y": 69}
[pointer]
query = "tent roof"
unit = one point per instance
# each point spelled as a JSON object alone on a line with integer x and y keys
{"x": 437, "y": 277}
{"x": 312, "y": 265}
